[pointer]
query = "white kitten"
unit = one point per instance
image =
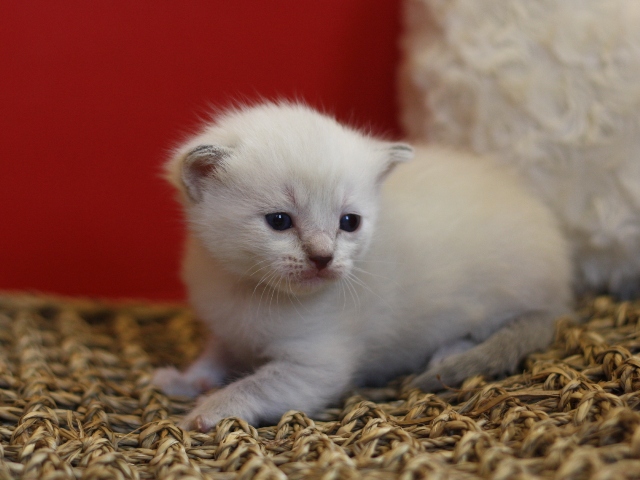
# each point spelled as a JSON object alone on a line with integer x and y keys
{"x": 313, "y": 276}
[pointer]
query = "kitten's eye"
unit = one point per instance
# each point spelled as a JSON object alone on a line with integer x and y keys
{"x": 349, "y": 222}
{"x": 279, "y": 221}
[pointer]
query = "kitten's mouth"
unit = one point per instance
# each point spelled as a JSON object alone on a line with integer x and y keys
{"x": 314, "y": 278}
{"x": 325, "y": 274}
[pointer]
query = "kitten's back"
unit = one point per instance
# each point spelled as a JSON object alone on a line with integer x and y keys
{"x": 460, "y": 246}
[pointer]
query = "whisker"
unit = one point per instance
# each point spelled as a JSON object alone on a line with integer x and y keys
{"x": 270, "y": 276}
{"x": 242, "y": 275}
{"x": 257, "y": 270}
{"x": 264, "y": 277}
{"x": 259, "y": 262}
{"x": 344, "y": 292}
{"x": 294, "y": 296}
{"x": 362, "y": 270}
{"x": 276, "y": 290}
{"x": 392, "y": 262}
{"x": 353, "y": 292}
{"x": 363, "y": 284}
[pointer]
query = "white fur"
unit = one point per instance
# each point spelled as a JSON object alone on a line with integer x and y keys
{"x": 456, "y": 261}
{"x": 552, "y": 88}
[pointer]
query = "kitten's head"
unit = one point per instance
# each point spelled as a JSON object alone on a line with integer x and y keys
{"x": 283, "y": 195}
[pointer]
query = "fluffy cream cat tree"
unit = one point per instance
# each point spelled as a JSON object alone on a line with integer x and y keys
{"x": 552, "y": 88}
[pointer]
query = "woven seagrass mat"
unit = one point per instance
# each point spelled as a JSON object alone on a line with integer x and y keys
{"x": 75, "y": 402}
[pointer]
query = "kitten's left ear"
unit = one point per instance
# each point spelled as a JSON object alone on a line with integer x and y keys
{"x": 395, "y": 153}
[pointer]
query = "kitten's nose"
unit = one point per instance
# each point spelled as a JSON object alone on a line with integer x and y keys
{"x": 320, "y": 261}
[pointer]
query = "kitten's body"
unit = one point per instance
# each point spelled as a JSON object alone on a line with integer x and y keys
{"x": 457, "y": 258}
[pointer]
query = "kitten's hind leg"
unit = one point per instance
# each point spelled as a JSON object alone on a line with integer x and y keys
{"x": 499, "y": 354}
{"x": 202, "y": 375}
{"x": 449, "y": 350}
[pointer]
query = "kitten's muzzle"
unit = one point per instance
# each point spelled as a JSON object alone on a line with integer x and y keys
{"x": 321, "y": 261}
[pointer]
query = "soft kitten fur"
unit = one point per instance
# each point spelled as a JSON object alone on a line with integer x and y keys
{"x": 455, "y": 270}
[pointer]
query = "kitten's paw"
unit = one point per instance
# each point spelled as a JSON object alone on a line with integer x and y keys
{"x": 454, "y": 348}
{"x": 200, "y": 423}
{"x": 428, "y": 382}
{"x": 173, "y": 382}
{"x": 213, "y": 408}
{"x": 438, "y": 378}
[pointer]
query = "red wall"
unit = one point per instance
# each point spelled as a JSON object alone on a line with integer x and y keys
{"x": 93, "y": 94}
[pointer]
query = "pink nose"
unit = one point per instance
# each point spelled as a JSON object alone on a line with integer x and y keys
{"x": 320, "y": 261}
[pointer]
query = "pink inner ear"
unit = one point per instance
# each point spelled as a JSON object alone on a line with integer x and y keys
{"x": 203, "y": 168}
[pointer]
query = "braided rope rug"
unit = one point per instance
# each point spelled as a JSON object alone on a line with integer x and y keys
{"x": 75, "y": 402}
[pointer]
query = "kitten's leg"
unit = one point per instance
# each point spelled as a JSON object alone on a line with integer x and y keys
{"x": 449, "y": 350}
{"x": 203, "y": 374}
{"x": 500, "y": 353}
{"x": 272, "y": 390}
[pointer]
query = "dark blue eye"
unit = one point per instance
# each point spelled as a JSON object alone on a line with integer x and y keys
{"x": 349, "y": 222}
{"x": 279, "y": 221}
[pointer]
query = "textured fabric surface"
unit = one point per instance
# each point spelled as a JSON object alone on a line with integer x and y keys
{"x": 550, "y": 88}
{"x": 75, "y": 402}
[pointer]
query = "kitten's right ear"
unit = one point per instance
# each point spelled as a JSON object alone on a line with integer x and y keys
{"x": 395, "y": 153}
{"x": 199, "y": 164}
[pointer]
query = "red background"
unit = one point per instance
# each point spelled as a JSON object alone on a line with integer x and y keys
{"x": 94, "y": 94}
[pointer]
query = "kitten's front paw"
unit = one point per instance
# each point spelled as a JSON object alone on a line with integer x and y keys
{"x": 210, "y": 410}
{"x": 173, "y": 382}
